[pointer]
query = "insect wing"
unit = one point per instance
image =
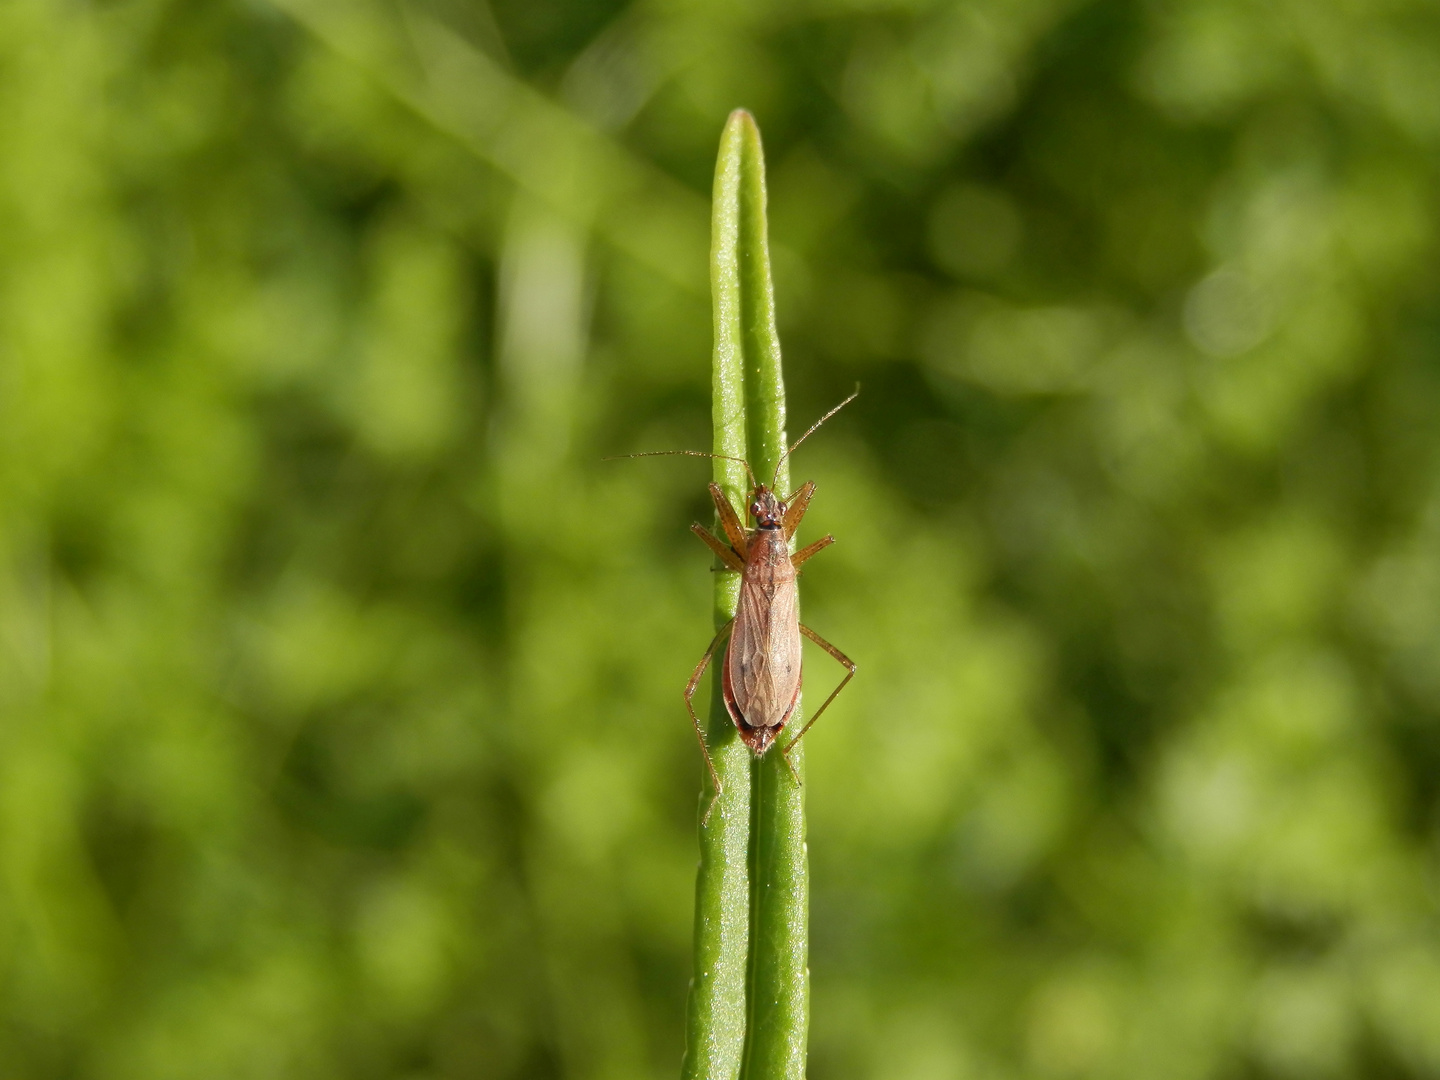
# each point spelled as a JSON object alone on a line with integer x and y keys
{"x": 764, "y": 653}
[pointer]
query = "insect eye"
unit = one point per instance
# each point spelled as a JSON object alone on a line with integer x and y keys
{"x": 781, "y": 508}
{"x": 755, "y": 509}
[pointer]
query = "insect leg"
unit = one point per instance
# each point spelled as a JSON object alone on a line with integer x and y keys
{"x": 785, "y": 757}
{"x": 795, "y": 507}
{"x": 845, "y": 660}
{"x": 729, "y": 521}
{"x": 726, "y": 553}
{"x": 699, "y": 730}
{"x": 810, "y": 549}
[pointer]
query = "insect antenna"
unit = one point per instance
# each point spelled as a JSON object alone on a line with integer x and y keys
{"x": 689, "y": 453}
{"x": 776, "y": 479}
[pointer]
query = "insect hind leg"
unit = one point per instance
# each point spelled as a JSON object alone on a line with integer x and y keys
{"x": 850, "y": 674}
{"x": 699, "y": 728}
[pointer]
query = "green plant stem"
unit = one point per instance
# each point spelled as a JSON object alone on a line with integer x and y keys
{"x": 749, "y": 1000}
{"x": 779, "y": 989}
{"x": 716, "y": 1021}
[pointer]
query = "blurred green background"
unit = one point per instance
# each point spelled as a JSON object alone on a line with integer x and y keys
{"x": 340, "y": 719}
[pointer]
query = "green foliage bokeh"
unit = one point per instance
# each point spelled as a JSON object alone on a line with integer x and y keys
{"x": 340, "y": 718}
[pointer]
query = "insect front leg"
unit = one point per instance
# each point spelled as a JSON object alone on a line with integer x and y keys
{"x": 730, "y": 521}
{"x": 795, "y": 507}
{"x": 699, "y": 729}
{"x": 847, "y": 662}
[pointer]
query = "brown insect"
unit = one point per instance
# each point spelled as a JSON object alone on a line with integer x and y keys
{"x": 761, "y": 673}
